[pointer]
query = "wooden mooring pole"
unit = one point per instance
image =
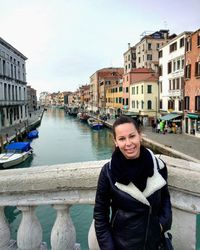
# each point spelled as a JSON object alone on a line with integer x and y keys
{"x": 1, "y": 143}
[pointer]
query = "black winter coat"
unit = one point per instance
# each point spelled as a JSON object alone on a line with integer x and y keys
{"x": 134, "y": 223}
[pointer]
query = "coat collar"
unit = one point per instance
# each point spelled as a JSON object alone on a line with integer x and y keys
{"x": 154, "y": 183}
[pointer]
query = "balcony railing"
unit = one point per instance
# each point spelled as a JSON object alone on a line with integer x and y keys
{"x": 13, "y": 102}
{"x": 65, "y": 185}
{"x": 176, "y": 93}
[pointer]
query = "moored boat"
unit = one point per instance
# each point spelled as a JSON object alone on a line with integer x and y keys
{"x": 16, "y": 153}
{"x": 83, "y": 116}
{"x": 32, "y": 134}
{"x": 95, "y": 123}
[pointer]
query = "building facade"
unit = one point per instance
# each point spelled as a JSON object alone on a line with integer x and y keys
{"x": 144, "y": 96}
{"x": 99, "y": 82}
{"x": 192, "y": 84}
{"x": 147, "y": 48}
{"x": 130, "y": 59}
{"x": 32, "y": 99}
{"x": 171, "y": 63}
{"x": 13, "y": 86}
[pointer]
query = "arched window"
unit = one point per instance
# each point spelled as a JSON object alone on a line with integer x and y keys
{"x": 149, "y": 105}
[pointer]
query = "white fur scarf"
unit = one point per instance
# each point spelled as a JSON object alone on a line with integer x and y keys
{"x": 154, "y": 183}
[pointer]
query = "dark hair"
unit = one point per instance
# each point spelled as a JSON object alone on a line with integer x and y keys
{"x": 124, "y": 119}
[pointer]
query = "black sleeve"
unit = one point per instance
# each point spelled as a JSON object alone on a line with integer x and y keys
{"x": 102, "y": 212}
{"x": 166, "y": 209}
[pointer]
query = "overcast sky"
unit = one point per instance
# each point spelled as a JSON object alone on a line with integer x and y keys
{"x": 66, "y": 41}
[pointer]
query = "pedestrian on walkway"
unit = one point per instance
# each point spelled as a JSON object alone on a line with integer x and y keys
{"x": 158, "y": 128}
{"x": 134, "y": 186}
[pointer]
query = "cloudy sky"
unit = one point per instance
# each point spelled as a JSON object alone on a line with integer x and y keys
{"x": 66, "y": 41}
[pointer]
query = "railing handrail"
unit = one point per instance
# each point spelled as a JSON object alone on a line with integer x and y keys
{"x": 79, "y": 179}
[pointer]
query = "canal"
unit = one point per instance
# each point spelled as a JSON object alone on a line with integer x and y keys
{"x": 64, "y": 139}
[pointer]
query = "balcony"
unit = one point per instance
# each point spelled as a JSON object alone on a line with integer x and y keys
{"x": 65, "y": 185}
{"x": 176, "y": 93}
{"x": 13, "y": 102}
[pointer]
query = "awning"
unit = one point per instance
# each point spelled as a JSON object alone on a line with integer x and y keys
{"x": 170, "y": 116}
{"x": 193, "y": 116}
{"x": 129, "y": 113}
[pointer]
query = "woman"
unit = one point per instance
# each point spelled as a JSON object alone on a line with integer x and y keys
{"x": 134, "y": 185}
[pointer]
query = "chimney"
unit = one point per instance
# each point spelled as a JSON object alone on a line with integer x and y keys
{"x": 129, "y": 45}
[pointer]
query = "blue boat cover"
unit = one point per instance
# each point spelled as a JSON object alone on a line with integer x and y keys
{"x": 18, "y": 146}
{"x": 32, "y": 134}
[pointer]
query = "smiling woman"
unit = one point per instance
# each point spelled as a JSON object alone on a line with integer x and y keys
{"x": 134, "y": 185}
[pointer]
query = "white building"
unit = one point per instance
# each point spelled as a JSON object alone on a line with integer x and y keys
{"x": 171, "y": 64}
{"x": 13, "y": 89}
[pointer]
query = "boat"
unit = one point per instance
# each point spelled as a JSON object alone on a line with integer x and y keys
{"x": 73, "y": 111}
{"x": 83, "y": 116}
{"x": 15, "y": 153}
{"x": 95, "y": 123}
{"x": 32, "y": 134}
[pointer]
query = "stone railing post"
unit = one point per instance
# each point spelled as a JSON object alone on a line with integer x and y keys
{"x": 29, "y": 235}
{"x": 63, "y": 234}
{"x": 4, "y": 231}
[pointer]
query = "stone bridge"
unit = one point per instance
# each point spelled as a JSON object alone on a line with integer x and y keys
{"x": 64, "y": 185}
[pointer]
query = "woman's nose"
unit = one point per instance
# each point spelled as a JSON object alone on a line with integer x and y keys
{"x": 128, "y": 141}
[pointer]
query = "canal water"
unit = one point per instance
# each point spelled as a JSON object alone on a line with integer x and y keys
{"x": 64, "y": 139}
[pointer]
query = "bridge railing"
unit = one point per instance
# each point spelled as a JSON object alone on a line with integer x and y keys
{"x": 65, "y": 185}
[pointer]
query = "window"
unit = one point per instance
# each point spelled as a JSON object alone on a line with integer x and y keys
{"x": 149, "y": 46}
{"x": 120, "y": 89}
{"x": 138, "y": 59}
{"x": 149, "y": 104}
{"x": 160, "y": 54}
{"x": 160, "y": 86}
{"x": 197, "y": 69}
{"x": 157, "y": 45}
{"x": 198, "y": 39}
{"x": 180, "y": 105}
{"x": 177, "y": 83}
{"x": 174, "y": 83}
{"x": 133, "y": 104}
{"x": 173, "y": 47}
{"x": 170, "y": 87}
{"x": 169, "y": 67}
{"x": 126, "y": 101}
{"x": 133, "y": 90}
{"x": 137, "y": 90}
{"x": 188, "y": 44}
{"x": 142, "y": 104}
{"x": 181, "y": 42}
{"x": 126, "y": 89}
{"x": 178, "y": 64}
{"x": 120, "y": 100}
{"x": 142, "y": 89}
{"x": 182, "y": 64}
{"x": 149, "y": 89}
{"x": 188, "y": 71}
{"x": 187, "y": 102}
{"x": 174, "y": 66}
{"x": 170, "y": 104}
{"x": 161, "y": 104}
{"x": 137, "y": 104}
{"x": 107, "y": 82}
{"x": 149, "y": 57}
{"x": 197, "y": 103}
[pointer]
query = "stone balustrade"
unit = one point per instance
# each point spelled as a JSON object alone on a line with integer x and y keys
{"x": 65, "y": 185}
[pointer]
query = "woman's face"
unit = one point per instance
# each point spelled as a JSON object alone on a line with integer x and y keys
{"x": 128, "y": 139}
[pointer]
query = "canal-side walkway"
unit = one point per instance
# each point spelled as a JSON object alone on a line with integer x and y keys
{"x": 186, "y": 144}
{"x": 10, "y": 133}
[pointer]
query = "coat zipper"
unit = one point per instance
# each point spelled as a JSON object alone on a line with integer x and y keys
{"x": 147, "y": 227}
